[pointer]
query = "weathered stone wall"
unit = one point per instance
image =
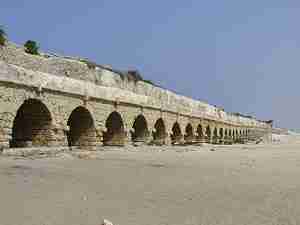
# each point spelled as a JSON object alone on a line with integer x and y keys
{"x": 74, "y": 68}
{"x": 63, "y": 85}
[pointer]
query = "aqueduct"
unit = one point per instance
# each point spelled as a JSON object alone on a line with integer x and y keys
{"x": 48, "y": 100}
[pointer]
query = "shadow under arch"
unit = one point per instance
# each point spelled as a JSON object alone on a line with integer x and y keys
{"x": 32, "y": 125}
{"x": 115, "y": 133}
{"x": 221, "y": 132}
{"x": 159, "y": 134}
{"x": 208, "y": 134}
{"x": 200, "y": 133}
{"x": 176, "y": 136}
{"x": 82, "y": 130}
{"x": 140, "y": 127}
{"x": 189, "y": 134}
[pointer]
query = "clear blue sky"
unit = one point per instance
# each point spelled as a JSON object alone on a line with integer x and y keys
{"x": 241, "y": 55}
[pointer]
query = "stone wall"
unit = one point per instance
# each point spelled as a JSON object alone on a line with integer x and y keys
{"x": 107, "y": 104}
{"x": 74, "y": 68}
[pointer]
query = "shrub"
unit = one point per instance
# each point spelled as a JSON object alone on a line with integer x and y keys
{"x": 149, "y": 82}
{"x": 91, "y": 65}
{"x": 2, "y": 36}
{"x": 31, "y": 47}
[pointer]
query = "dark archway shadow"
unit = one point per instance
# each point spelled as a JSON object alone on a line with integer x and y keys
{"x": 115, "y": 134}
{"x": 32, "y": 125}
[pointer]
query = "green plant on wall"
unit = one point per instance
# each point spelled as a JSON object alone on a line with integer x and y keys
{"x": 2, "y": 36}
{"x": 31, "y": 47}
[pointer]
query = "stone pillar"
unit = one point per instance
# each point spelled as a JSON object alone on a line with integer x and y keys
{"x": 128, "y": 137}
{"x": 60, "y": 137}
{"x": 149, "y": 139}
{"x": 208, "y": 139}
{"x": 214, "y": 136}
{"x": 168, "y": 140}
{"x": 5, "y": 137}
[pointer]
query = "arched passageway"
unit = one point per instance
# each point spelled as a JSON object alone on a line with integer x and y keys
{"x": 221, "y": 134}
{"x": 32, "y": 125}
{"x": 82, "y": 130}
{"x": 189, "y": 134}
{"x": 208, "y": 134}
{"x": 159, "y": 134}
{"x": 176, "y": 136}
{"x": 200, "y": 134}
{"x": 115, "y": 134}
{"x": 140, "y": 129}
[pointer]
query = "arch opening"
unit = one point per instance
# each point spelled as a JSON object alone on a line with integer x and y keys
{"x": 140, "y": 127}
{"x": 82, "y": 130}
{"x": 115, "y": 133}
{"x": 199, "y": 131}
{"x": 221, "y": 132}
{"x": 176, "y": 136}
{"x": 32, "y": 125}
{"x": 215, "y": 133}
{"x": 189, "y": 134}
{"x": 208, "y": 134}
{"x": 160, "y": 132}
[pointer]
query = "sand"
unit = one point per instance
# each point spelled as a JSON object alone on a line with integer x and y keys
{"x": 240, "y": 185}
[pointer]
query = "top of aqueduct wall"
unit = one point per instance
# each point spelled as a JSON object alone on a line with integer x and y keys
{"x": 108, "y": 83}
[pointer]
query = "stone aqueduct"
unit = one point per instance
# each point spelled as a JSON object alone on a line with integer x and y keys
{"x": 49, "y": 100}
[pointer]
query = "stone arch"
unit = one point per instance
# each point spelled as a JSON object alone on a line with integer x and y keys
{"x": 140, "y": 129}
{"x": 82, "y": 131}
{"x": 221, "y": 132}
{"x": 200, "y": 131}
{"x": 160, "y": 132}
{"x": 32, "y": 125}
{"x": 176, "y": 135}
{"x": 189, "y": 133}
{"x": 225, "y": 133}
{"x": 115, "y": 133}
{"x": 215, "y": 133}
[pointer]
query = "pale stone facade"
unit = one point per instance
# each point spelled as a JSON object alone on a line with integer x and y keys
{"x": 53, "y": 101}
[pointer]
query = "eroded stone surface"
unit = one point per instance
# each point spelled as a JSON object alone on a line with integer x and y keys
{"x": 59, "y": 86}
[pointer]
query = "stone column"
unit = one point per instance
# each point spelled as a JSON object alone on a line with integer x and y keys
{"x": 167, "y": 140}
{"x": 128, "y": 137}
{"x": 60, "y": 136}
{"x": 149, "y": 139}
{"x": 5, "y": 137}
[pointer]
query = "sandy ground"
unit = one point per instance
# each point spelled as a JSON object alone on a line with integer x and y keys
{"x": 240, "y": 185}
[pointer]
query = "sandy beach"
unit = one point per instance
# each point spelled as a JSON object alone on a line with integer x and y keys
{"x": 209, "y": 185}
